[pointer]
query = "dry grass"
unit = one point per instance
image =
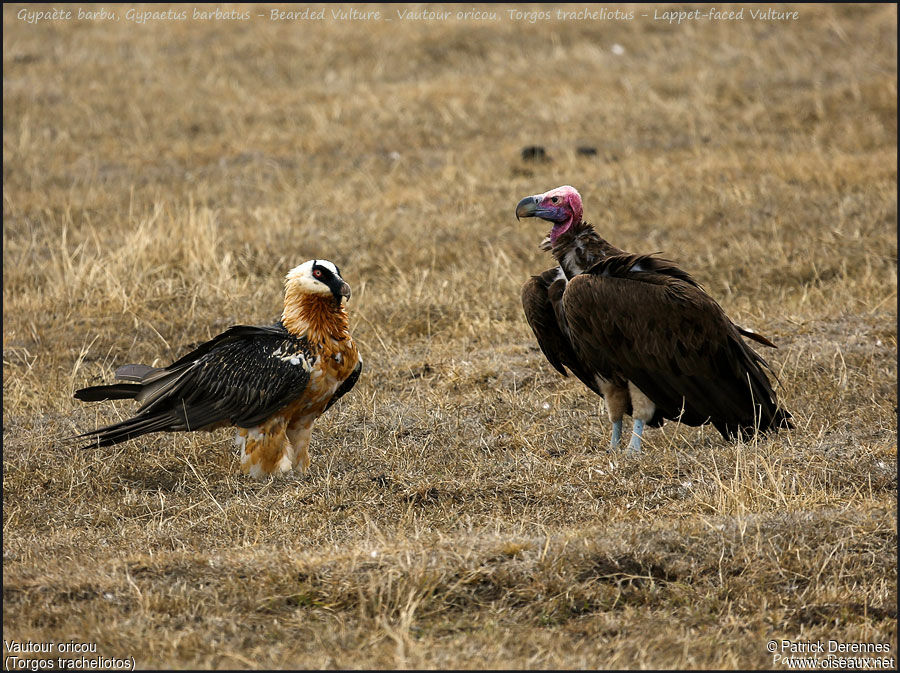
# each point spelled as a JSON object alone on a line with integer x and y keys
{"x": 461, "y": 509}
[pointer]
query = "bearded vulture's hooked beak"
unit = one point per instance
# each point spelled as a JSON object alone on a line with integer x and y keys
{"x": 343, "y": 292}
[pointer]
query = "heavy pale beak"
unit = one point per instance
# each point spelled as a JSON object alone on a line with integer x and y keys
{"x": 527, "y": 207}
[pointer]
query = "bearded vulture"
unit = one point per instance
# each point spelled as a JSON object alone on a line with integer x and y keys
{"x": 641, "y": 332}
{"x": 271, "y": 382}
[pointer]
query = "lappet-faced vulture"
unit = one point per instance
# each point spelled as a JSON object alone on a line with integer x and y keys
{"x": 641, "y": 332}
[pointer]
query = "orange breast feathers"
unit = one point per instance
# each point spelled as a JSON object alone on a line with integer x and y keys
{"x": 326, "y": 327}
{"x": 282, "y": 442}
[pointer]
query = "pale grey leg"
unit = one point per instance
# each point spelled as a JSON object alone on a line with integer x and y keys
{"x": 635, "y": 445}
{"x": 643, "y": 410}
{"x": 616, "y": 435}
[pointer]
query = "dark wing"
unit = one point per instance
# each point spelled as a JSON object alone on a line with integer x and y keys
{"x": 233, "y": 333}
{"x": 146, "y": 374}
{"x": 541, "y": 317}
{"x": 240, "y": 377}
{"x": 658, "y": 328}
{"x": 346, "y": 386}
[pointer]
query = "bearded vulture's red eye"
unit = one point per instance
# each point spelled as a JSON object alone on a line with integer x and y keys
{"x": 317, "y": 273}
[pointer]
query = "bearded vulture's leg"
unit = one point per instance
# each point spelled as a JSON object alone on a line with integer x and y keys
{"x": 642, "y": 409}
{"x": 616, "y": 404}
{"x": 299, "y": 434}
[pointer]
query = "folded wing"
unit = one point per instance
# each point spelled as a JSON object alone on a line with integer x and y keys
{"x": 672, "y": 340}
{"x": 541, "y": 315}
{"x": 241, "y": 377}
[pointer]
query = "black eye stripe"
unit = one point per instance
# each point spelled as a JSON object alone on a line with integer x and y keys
{"x": 324, "y": 271}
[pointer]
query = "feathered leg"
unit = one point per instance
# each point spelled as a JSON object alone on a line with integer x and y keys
{"x": 299, "y": 435}
{"x": 265, "y": 449}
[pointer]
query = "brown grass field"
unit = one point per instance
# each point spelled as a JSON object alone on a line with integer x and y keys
{"x": 462, "y": 509}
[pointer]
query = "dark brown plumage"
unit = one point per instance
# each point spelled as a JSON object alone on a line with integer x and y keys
{"x": 643, "y": 333}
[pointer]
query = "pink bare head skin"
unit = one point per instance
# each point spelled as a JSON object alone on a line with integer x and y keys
{"x": 561, "y": 206}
